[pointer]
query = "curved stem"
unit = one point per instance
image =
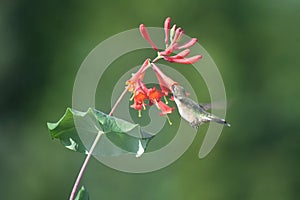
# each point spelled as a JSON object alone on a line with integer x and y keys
{"x": 156, "y": 59}
{"x": 83, "y": 167}
{"x": 118, "y": 101}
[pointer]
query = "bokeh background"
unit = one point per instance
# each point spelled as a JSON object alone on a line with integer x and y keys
{"x": 256, "y": 47}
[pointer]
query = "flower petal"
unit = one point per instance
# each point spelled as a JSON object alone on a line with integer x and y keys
{"x": 172, "y": 32}
{"x": 188, "y": 44}
{"x": 177, "y": 35}
{"x": 145, "y": 65}
{"x": 154, "y": 95}
{"x": 167, "y": 30}
{"x": 139, "y": 75}
{"x": 190, "y": 60}
{"x": 165, "y": 109}
{"x": 164, "y": 81}
{"x": 140, "y": 97}
{"x": 181, "y": 54}
{"x": 137, "y": 106}
{"x": 146, "y": 36}
{"x": 142, "y": 86}
{"x": 169, "y": 50}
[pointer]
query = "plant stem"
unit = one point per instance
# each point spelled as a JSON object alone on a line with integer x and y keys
{"x": 83, "y": 167}
{"x": 156, "y": 59}
{"x": 118, "y": 101}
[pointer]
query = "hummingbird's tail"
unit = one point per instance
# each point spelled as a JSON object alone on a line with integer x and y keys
{"x": 220, "y": 121}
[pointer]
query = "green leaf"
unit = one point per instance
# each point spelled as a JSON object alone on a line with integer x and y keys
{"x": 119, "y": 136}
{"x": 82, "y": 194}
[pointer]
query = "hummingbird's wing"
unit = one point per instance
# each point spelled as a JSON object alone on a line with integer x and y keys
{"x": 205, "y": 106}
{"x": 215, "y": 105}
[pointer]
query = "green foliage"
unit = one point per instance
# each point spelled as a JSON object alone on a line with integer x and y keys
{"x": 82, "y": 194}
{"x": 119, "y": 136}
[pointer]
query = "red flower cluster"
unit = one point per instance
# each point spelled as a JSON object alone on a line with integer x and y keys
{"x": 144, "y": 96}
{"x": 153, "y": 95}
{"x": 141, "y": 93}
{"x": 172, "y": 37}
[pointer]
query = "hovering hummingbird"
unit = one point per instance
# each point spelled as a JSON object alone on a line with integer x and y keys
{"x": 191, "y": 111}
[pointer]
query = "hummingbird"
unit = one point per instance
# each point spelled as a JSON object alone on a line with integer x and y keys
{"x": 191, "y": 111}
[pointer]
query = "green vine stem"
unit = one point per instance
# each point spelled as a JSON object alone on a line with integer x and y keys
{"x": 83, "y": 167}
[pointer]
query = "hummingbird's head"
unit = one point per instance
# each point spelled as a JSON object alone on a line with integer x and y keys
{"x": 178, "y": 91}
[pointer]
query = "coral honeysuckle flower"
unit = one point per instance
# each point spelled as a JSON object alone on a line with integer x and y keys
{"x": 165, "y": 110}
{"x": 139, "y": 104}
{"x": 188, "y": 44}
{"x": 139, "y": 97}
{"x": 167, "y": 27}
{"x": 190, "y": 60}
{"x": 172, "y": 37}
{"x": 181, "y": 55}
{"x": 165, "y": 82}
{"x": 137, "y": 107}
{"x": 146, "y": 36}
{"x": 154, "y": 95}
{"x": 169, "y": 50}
{"x": 138, "y": 76}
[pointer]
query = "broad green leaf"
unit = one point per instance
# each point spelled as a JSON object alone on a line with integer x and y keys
{"x": 119, "y": 136}
{"x": 82, "y": 194}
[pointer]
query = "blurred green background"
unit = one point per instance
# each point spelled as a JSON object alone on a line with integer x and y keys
{"x": 255, "y": 44}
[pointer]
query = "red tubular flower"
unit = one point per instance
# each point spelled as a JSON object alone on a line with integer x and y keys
{"x": 190, "y": 60}
{"x": 139, "y": 97}
{"x": 142, "y": 86}
{"x": 137, "y": 106}
{"x": 167, "y": 30}
{"x": 138, "y": 76}
{"x": 188, "y": 44}
{"x": 165, "y": 82}
{"x": 146, "y": 36}
{"x": 181, "y": 55}
{"x": 154, "y": 95}
{"x": 165, "y": 109}
{"x": 169, "y": 50}
{"x": 145, "y": 65}
{"x": 177, "y": 35}
{"x": 172, "y": 32}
